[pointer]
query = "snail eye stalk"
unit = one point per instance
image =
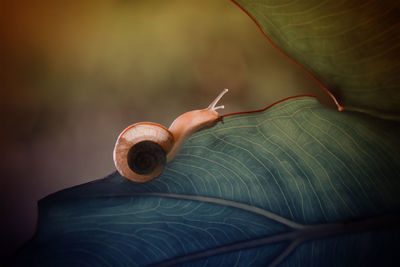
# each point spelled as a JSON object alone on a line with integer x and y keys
{"x": 216, "y": 100}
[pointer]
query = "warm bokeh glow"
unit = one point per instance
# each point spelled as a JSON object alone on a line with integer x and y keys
{"x": 75, "y": 73}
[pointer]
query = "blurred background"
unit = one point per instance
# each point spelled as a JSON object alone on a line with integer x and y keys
{"x": 75, "y": 73}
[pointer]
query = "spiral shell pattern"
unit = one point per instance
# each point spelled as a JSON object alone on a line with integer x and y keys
{"x": 141, "y": 149}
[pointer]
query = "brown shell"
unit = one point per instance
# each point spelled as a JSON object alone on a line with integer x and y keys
{"x": 149, "y": 143}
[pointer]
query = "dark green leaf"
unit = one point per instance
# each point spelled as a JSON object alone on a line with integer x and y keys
{"x": 297, "y": 184}
{"x": 351, "y": 46}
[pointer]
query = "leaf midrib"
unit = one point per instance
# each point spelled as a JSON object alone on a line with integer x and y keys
{"x": 300, "y": 232}
{"x": 295, "y": 238}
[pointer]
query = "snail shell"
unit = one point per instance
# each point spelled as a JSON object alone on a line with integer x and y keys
{"x": 140, "y": 153}
{"x": 143, "y": 149}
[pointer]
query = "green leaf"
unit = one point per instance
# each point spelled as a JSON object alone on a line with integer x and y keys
{"x": 352, "y": 47}
{"x": 297, "y": 184}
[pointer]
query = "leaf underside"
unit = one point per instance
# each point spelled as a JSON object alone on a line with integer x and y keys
{"x": 351, "y": 47}
{"x": 297, "y": 185}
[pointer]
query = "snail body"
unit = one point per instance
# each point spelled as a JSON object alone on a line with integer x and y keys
{"x": 143, "y": 149}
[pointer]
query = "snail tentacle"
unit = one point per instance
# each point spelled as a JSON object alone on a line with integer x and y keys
{"x": 217, "y": 99}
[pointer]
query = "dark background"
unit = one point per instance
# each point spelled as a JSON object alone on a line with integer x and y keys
{"x": 75, "y": 73}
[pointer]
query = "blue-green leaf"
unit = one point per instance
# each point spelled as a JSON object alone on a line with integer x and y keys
{"x": 297, "y": 184}
{"x": 350, "y": 46}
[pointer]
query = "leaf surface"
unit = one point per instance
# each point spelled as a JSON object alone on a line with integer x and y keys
{"x": 296, "y": 184}
{"x": 351, "y": 47}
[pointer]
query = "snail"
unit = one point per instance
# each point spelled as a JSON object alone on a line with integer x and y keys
{"x": 143, "y": 149}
